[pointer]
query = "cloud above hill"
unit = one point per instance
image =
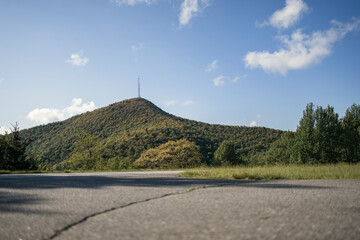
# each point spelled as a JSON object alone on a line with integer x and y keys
{"x": 4, "y": 130}
{"x": 253, "y": 124}
{"x": 185, "y": 103}
{"x": 300, "y": 50}
{"x": 48, "y": 115}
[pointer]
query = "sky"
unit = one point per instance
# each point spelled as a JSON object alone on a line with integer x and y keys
{"x": 246, "y": 63}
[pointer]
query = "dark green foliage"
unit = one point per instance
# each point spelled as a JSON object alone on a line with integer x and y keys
{"x": 117, "y": 163}
{"x": 126, "y": 129}
{"x": 305, "y": 147}
{"x": 86, "y": 154}
{"x": 327, "y": 135}
{"x": 350, "y": 138}
{"x": 13, "y": 155}
{"x": 320, "y": 138}
{"x": 173, "y": 154}
{"x": 281, "y": 151}
{"x": 225, "y": 155}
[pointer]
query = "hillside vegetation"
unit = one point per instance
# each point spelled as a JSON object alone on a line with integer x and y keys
{"x": 126, "y": 129}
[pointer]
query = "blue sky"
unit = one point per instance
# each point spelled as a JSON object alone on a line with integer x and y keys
{"x": 248, "y": 62}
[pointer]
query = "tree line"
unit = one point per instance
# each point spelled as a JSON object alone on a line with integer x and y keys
{"x": 321, "y": 137}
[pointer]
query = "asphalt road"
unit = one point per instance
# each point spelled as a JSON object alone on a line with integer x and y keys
{"x": 159, "y": 205}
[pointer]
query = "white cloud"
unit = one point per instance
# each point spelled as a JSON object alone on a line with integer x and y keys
{"x": 288, "y": 15}
{"x": 252, "y": 124}
{"x": 299, "y": 50}
{"x": 47, "y": 115}
{"x": 132, "y": 2}
{"x": 219, "y": 80}
{"x": 77, "y": 59}
{"x": 2, "y": 79}
{"x": 137, "y": 46}
{"x": 259, "y": 116}
{"x": 188, "y": 103}
{"x": 237, "y": 78}
{"x": 170, "y": 103}
{"x": 184, "y": 103}
{"x": 189, "y": 9}
{"x": 4, "y": 130}
{"x": 211, "y": 66}
{"x": 78, "y": 107}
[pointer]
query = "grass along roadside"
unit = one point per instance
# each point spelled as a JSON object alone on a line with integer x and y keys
{"x": 334, "y": 171}
{"x": 85, "y": 171}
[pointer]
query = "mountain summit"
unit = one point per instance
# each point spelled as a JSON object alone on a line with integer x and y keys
{"x": 129, "y": 127}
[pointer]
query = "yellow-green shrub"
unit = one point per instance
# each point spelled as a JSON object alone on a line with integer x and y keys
{"x": 173, "y": 154}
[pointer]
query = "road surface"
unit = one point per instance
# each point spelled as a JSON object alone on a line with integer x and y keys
{"x": 159, "y": 205}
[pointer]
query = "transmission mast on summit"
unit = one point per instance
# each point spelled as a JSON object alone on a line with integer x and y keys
{"x": 139, "y": 87}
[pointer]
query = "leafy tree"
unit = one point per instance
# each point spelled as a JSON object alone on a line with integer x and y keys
{"x": 173, "y": 154}
{"x": 86, "y": 154}
{"x": 4, "y": 145}
{"x": 305, "y": 142}
{"x": 327, "y": 135}
{"x": 225, "y": 154}
{"x": 320, "y": 138}
{"x": 282, "y": 150}
{"x": 350, "y": 138}
{"x": 13, "y": 155}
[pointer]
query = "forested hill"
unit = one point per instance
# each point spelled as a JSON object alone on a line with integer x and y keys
{"x": 129, "y": 127}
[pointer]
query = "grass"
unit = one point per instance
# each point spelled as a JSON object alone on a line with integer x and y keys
{"x": 190, "y": 189}
{"x": 83, "y": 171}
{"x": 28, "y": 171}
{"x": 335, "y": 171}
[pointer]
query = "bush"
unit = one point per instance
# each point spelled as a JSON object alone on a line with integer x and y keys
{"x": 118, "y": 163}
{"x": 225, "y": 155}
{"x": 173, "y": 154}
{"x": 281, "y": 151}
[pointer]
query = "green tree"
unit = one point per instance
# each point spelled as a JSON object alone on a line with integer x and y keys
{"x": 173, "y": 154}
{"x": 282, "y": 150}
{"x": 320, "y": 138}
{"x": 86, "y": 154}
{"x": 350, "y": 126}
{"x": 305, "y": 148}
{"x": 225, "y": 155}
{"x": 13, "y": 155}
{"x": 327, "y": 135}
{"x": 4, "y": 145}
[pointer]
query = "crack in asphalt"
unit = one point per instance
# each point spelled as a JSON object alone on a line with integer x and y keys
{"x": 84, "y": 219}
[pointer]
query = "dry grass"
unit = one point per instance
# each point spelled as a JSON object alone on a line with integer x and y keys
{"x": 335, "y": 171}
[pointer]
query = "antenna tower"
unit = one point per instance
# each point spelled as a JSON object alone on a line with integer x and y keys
{"x": 139, "y": 87}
